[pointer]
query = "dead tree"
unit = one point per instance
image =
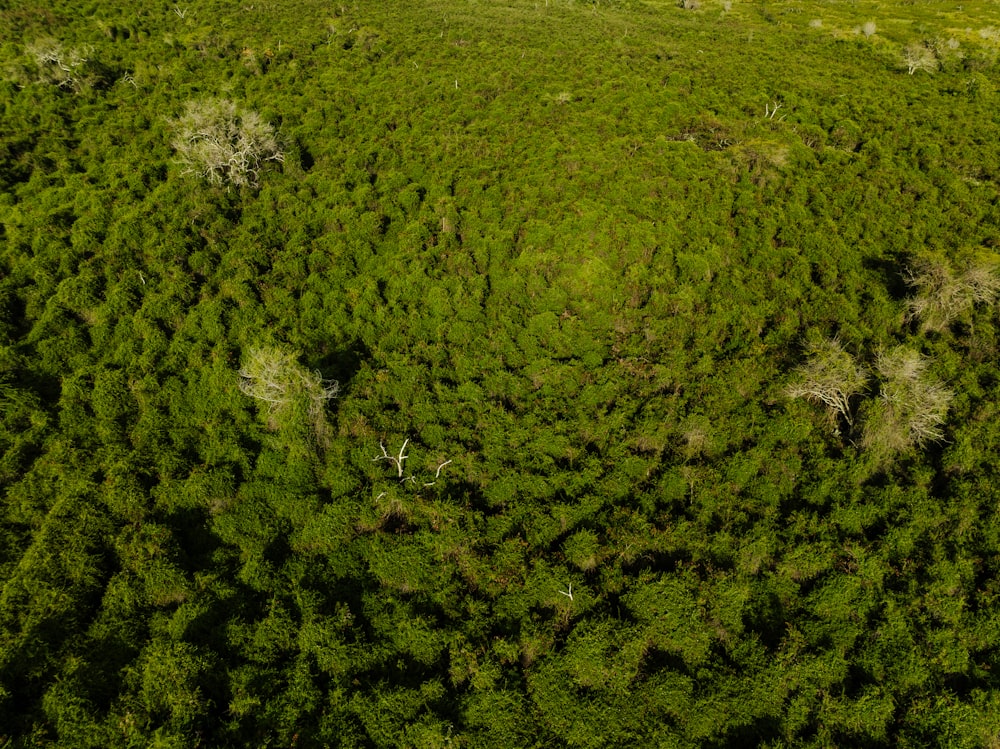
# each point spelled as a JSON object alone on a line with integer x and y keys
{"x": 919, "y": 57}
{"x": 911, "y": 408}
{"x": 275, "y": 377}
{"x": 832, "y": 377}
{"x": 224, "y": 144}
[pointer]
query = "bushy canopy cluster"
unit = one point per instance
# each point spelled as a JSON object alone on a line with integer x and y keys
{"x": 557, "y": 505}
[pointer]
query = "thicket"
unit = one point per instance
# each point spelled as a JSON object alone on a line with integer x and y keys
{"x": 566, "y": 261}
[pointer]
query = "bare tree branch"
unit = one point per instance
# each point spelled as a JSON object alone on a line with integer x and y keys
{"x": 831, "y": 377}
{"x": 396, "y": 460}
{"x": 911, "y": 406}
{"x": 224, "y": 144}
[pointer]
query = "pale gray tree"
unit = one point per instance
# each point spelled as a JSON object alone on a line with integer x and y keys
{"x": 944, "y": 294}
{"x": 59, "y": 64}
{"x": 831, "y": 377}
{"x": 223, "y": 143}
{"x": 292, "y": 392}
{"x": 918, "y": 56}
{"x": 911, "y": 406}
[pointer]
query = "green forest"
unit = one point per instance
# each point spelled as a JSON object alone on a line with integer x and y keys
{"x": 499, "y": 373}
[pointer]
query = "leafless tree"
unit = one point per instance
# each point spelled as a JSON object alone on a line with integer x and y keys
{"x": 911, "y": 407}
{"x": 217, "y": 140}
{"x": 58, "y": 64}
{"x": 274, "y": 376}
{"x": 943, "y": 295}
{"x": 918, "y": 56}
{"x": 832, "y": 377}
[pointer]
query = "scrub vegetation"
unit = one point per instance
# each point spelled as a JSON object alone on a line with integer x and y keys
{"x": 467, "y": 373}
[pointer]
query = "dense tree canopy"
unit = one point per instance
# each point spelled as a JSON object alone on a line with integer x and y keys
{"x": 464, "y": 417}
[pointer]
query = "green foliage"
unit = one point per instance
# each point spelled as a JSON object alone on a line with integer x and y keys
{"x": 562, "y": 259}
